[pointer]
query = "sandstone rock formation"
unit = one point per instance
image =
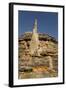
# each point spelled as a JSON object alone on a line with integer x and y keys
{"x": 38, "y": 55}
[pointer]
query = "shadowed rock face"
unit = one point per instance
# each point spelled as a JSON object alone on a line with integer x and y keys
{"x": 27, "y": 36}
{"x": 34, "y": 66}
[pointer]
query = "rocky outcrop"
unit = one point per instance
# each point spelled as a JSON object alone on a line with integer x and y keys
{"x": 43, "y": 65}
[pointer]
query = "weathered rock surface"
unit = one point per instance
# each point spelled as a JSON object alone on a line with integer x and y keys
{"x": 44, "y": 65}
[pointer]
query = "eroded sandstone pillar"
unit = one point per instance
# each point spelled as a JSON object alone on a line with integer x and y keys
{"x": 34, "y": 43}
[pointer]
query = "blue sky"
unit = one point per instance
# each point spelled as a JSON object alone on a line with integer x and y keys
{"x": 47, "y": 22}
